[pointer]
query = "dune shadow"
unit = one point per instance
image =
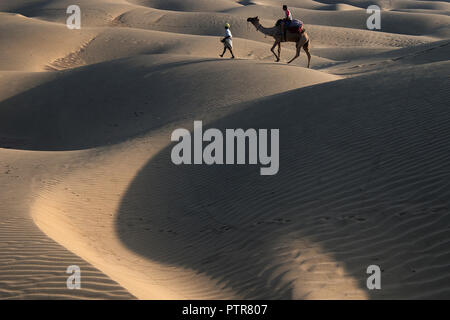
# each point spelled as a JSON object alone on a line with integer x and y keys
{"x": 27, "y": 9}
{"x": 362, "y": 180}
{"x": 92, "y": 106}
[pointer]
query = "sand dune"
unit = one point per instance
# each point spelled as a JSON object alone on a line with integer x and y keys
{"x": 134, "y": 42}
{"x": 300, "y": 232}
{"x": 33, "y": 266}
{"x": 75, "y": 119}
{"x": 189, "y": 5}
{"x": 93, "y": 13}
{"x": 206, "y": 24}
{"x": 32, "y": 43}
{"x": 422, "y": 54}
{"x": 393, "y": 22}
{"x": 85, "y": 123}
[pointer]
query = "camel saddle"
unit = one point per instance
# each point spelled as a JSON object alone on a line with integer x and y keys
{"x": 295, "y": 26}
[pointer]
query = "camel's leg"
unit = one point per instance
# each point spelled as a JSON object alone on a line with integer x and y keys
{"x": 279, "y": 51}
{"x": 300, "y": 43}
{"x": 297, "y": 54}
{"x": 273, "y": 47}
{"x": 306, "y": 47}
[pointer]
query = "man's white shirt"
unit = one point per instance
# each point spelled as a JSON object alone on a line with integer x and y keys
{"x": 229, "y": 40}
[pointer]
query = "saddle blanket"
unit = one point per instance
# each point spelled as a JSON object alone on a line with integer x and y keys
{"x": 295, "y": 25}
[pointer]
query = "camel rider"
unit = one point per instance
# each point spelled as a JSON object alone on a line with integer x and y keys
{"x": 227, "y": 41}
{"x": 286, "y": 21}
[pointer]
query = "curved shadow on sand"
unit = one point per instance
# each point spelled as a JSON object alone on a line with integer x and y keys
{"x": 27, "y": 9}
{"x": 177, "y": 6}
{"x": 86, "y": 107}
{"x": 351, "y": 182}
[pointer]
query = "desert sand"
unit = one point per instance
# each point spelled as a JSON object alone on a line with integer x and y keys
{"x": 86, "y": 177}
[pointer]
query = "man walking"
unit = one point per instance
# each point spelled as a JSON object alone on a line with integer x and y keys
{"x": 227, "y": 41}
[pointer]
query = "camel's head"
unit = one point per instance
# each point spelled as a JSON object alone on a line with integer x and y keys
{"x": 253, "y": 20}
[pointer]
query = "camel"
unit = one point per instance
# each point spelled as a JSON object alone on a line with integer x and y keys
{"x": 301, "y": 40}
